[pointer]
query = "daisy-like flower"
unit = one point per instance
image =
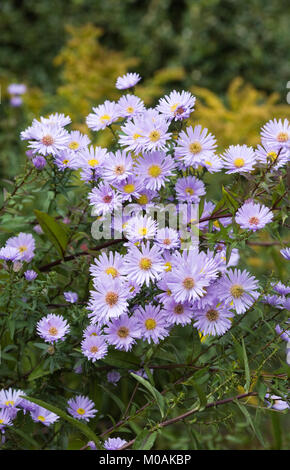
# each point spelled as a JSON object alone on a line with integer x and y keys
{"x": 122, "y": 332}
{"x": 214, "y": 319}
{"x": 92, "y": 158}
{"x": 152, "y": 323}
{"x": 6, "y": 418}
{"x": 71, "y": 297}
{"x": 66, "y": 159}
{"x": 127, "y": 81}
{"x": 94, "y": 347}
{"x": 238, "y": 289}
{"x": 113, "y": 377}
{"x": 140, "y": 227}
{"x": 167, "y": 238}
{"x": 81, "y": 407}
{"x": 52, "y": 328}
{"x": 41, "y": 415}
{"x": 130, "y": 187}
{"x": 178, "y": 313}
{"x": 109, "y": 300}
{"x": 276, "y": 402}
{"x": 118, "y": 166}
{"x": 253, "y": 216}
{"x": 59, "y": 119}
{"x": 103, "y": 115}
{"x": 194, "y": 146}
{"x": 30, "y": 275}
{"x": 11, "y": 398}
{"x": 133, "y": 288}
{"x": 104, "y": 199}
{"x": 143, "y": 264}
{"x": 48, "y": 139}
{"x": 114, "y": 443}
{"x": 9, "y": 253}
{"x": 177, "y": 105}
{"x": 144, "y": 200}
{"x": 131, "y": 135}
{"x": 239, "y": 159}
{"x": 129, "y": 106}
{"x": 285, "y": 335}
{"x": 92, "y": 330}
{"x": 77, "y": 141}
{"x": 276, "y": 133}
{"x": 213, "y": 163}
{"x": 267, "y": 154}
{"x": 189, "y": 189}
{"x": 154, "y": 133}
{"x": 111, "y": 264}
{"x": 155, "y": 168}
{"x": 285, "y": 252}
{"x": 281, "y": 288}
{"x": 273, "y": 300}
{"x": 25, "y": 244}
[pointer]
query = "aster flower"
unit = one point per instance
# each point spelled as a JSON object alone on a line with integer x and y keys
{"x": 122, "y": 332}
{"x": 6, "y": 418}
{"x": 48, "y": 138}
{"x": 16, "y": 89}
{"x": 59, "y": 119}
{"x": 39, "y": 162}
{"x": 130, "y": 187}
{"x": 103, "y": 115}
{"x": 41, "y": 415}
{"x": 128, "y": 80}
{"x": 267, "y": 154}
{"x": 129, "y": 106}
{"x": 9, "y": 253}
{"x": 11, "y": 398}
{"x": 177, "y": 105}
{"x": 71, "y": 297}
{"x": 92, "y": 330}
{"x": 194, "y": 146}
{"x": 52, "y": 328}
{"x": 285, "y": 252}
{"x": 283, "y": 332}
{"x": 131, "y": 134}
{"x": 153, "y": 133}
{"x": 30, "y": 275}
{"x": 77, "y": 141}
{"x": 133, "y": 288}
{"x": 212, "y": 163}
{"x": 114, "y": 443}
{"x": 140, "y": 227}
{"x": 281, "y": 288}
{"x": 238, "y": 289}
{"x": 189, "y": 189}
{"x": 92, "y": 158}
{"x": 167, "y": 238}
{"x": 178, "y": 313}
{"x": 214, "y": 319}
{"x": 118, "y": 166}
{"x": 143, "y": 264}
{"x": 66, "y": 159}
{"x": 276, "y": 133}
{"x": 144, "y": 201}
{"x": 276, "y": 402}
{"x": 239, "y": 159}
{"x": 154, "y": 169}
{"x": 104, "y": 199}
{"x": 25, "y": 244}
{"x": 152, "y": 323}
{"x": 108, "y": 300}
{"x": 273, "y": 300}
{"x": 113, "y": 377}
{"x": 94, "y": 347}
{"x": 81, "y": 407}
{"x": 111, "y": 264}
{"x": 253, "y": 216}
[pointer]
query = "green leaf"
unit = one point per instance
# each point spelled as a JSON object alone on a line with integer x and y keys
{"x": 250, "y": 422}
{"x": 231, "y": 202}
{"x": 276, "y": 429}
{"x": 144, "y": 440}
{"x": 81, "y": 426}
{"x": 56, "y": 232}
{"x": 116, "y": 399}
{"x": 122, "y": 359}
{"x": 247, "y": 370}
{"x": 154, "y": 392}
{"x": 201, "y": 395}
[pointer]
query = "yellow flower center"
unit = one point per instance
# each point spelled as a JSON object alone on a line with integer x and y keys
{"x": 41, "y": 418}
{"x": 154, "y": 136}
{"x": 178, "y": 309}
{"x": 272, "y": 156}
{"x": 189, "y": 191}
{"x": 80, "y": 411}
{"x": 208, "y": 163}
{"x": 143, "y": 200}
{"x": 47, "y": 140}
{"x": 93, "y": 162}
{"x": 168, "y": 292}
{"x": 216, "y": 224}
{"x": 93, "y": 334}
{"x": 145, "y": 263}
{"x": 113, "y": 271}
{"x": 168, "y": 266}
{"x": 173, "y": 107}
{"x": 52, "y": 331}
{"x": 1, "y": 421}
{"x": 65, "y": 162}
{"x": 136, "y": 136}
{"x": 239, "y": 162}
{"x": 188, "y": 283}
{"x": 237, "y": 291}
{"x": 154, "y": 171}
{"x": 142, "y": 231}
{"x": 150, "y": 324}
{"x": 123, "y": 332}
{"x": 130, "y": 110}
{"x": 74, "y": 145}
{"x": 22, "y": 248}
{"x": 195, "y": 147}
{"x": 129, "y": 188}
{"x": 9, "y": 403}
{"x": 111, "y": 298}
{"x": 105, "y": 118}
{"x": 282, "y": 137}
{"x": 212, "y": 315}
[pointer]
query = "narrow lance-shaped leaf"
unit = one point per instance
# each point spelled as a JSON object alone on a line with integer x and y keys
{"x": 56, "y": 232}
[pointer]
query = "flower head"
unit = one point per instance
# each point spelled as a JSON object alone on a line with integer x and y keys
{"x": 122, "y": 332}
{"x": 127, "y": 81}
{"x": 114, "y": 443}
{"x": 154, "y": 169}
{"x": 103, "y": 115}
{"x": 81, "y": 407}
{"x": 277, "y": 134}
{"x": 52, "y": 328}
{"x": 108, "y": 300}
{"x": 94, "y": 347}
{"x": 214, "y": 319}
{"x": 253, "y": 216}
{"x": 238, "y": 290}
{"x": 43, "y": 416}
{"x": 189, "y": 189}
{"x": 194, "y": 146}
{"x": 239, "y": 159}
{"x": 177, "y": 105}
{"x": 152, "y": 323}
{"x": 143, "y": 264}
{"x": 25, "y": 244}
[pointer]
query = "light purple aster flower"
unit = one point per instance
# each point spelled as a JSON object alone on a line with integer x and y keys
{"x": 16, "y": 89}
{"x": 131, "y": 134}
{"x": 114, "y": 443}
{"x": 177, "y": 105}
{"x": 189, "y": 189}
{"x": 25, "y": 244}
{"x": 6, "y": 418}
{"x": 81, "y": 407}
{"x": 11, "y": 398}
{"x": 16, "y": 101}
{"x": 213, "y": 163}
{"x": 41, "y": 415}
{"x": 48, "y": 138}
{"x": 113, "y": 377}
{"x": 71, "y": 297}
{"x": 239, "y": 159}
{"x": 39, "y": 162}
{"x": 154, "y": 133}
{"x": 154, "y": 169}
{"x": 77, "y": 141}
{"x": 37, "y": 228}
{"x": 129, "y": 106}
{"x": 66, "y": 159}
{"x": 27, "y": 406}
{"x": 143, "y": 264}
{"x": 253, "y": 216}
{"x": 178, "y": 313}
{"x": 108, "y": 300}
{"x": 9, "y": 253}
{"x": 117, "y": 166}
{"x": 281, "y": 288}
{"x": 285, "y": 335}
{"x": 286, "y": 303}
{"x": 91, "y": 160}
{"x": 152, "y": 323}
{"x": 273, "y": 300}
{"x": 140, "y": 227}
{"x": 94, "y": 347}
{"x": 133, "y": 288}
{"x": 52, "y": 328}
{"x": 30, "y": 275}
{"x": 267, "y": 155}
{"x": 285, "y": 252}
{"x": 104, "y": 199}
{"x": 128, "y": 80}
{"x": 110, "y": 264}
{"x": 130, "y": 187}
{"x": 122, "y": 332}
{"x": 276, "y": 402}
{"x": 103, "y": 115}
{"x": 238, "y": 289}
{"x": 213, "y": 320}
{"x": 59, "y": 119}
{"x": 194, "y": 146}
{"x": 276, "y": 133}
{"x": 167, "y": 238}
{"x": 92, "y": 330}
